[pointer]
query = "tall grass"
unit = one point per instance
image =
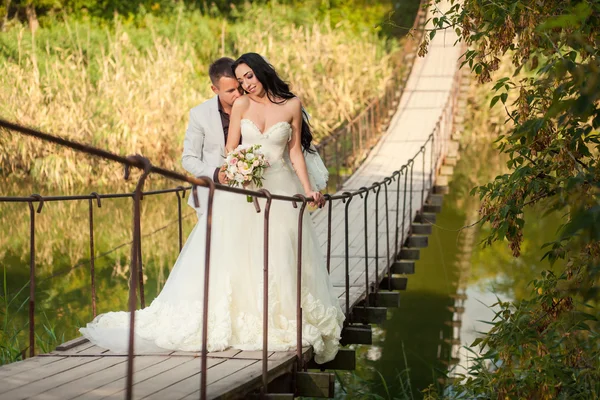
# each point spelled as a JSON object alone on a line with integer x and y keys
{"x": 62, "y": 263}
{"x": 14, "y": 343}
{"x": 128, "y": 87}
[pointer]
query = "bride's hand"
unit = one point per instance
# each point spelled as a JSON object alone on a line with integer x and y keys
{"x": 319, "y": 199}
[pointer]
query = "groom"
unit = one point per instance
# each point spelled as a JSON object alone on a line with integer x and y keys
{"x": 206, "y": 135}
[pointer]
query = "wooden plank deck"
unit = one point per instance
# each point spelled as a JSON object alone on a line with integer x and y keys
{"x": 88, "y": 372}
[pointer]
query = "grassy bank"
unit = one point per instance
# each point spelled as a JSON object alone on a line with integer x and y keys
{"x": 127, "y": 84}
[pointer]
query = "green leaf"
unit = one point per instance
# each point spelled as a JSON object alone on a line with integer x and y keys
{"x": 494, "y": 101}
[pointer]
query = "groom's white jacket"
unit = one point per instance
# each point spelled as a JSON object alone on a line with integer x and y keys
{"x": 204, "y": 144}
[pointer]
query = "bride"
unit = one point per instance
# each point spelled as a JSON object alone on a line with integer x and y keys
{"x": 269, "y": 115}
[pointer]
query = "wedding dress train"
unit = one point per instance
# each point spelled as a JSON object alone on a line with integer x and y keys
{"x": 174, "y": 319}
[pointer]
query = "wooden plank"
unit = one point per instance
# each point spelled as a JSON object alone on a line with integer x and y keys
{"x": 237, "y": 385}
{"x": 229, "y": 353}
{"x": 186, "y": 354}
{"x": 356, "y": 334}
{"x": 94, "y": 350}
{"x": 44, "y": 385}
{"x": 72, "y": 343}
{"x": 147, "y": 387}
{"x": 98, "y": 379}
{"x": 250, "y": 378}
{"x": 73, "y": 349}
{"x": 315, "y": 384}
{"x": 345, "y": 359}
{"x": 371, "y": 315}
{"x": 185, "y": 387}
{"x": 116, "y": 387}
{"x": 252, "y": 355}
{"x": 46, "y": 372}
{"x": 26, "y": 365}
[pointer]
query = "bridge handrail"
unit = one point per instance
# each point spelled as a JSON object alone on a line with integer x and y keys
{"x": 362, "y": 128}
{"x": 436, "y": 143}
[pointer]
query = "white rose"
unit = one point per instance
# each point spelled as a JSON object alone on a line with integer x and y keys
{"x": 239, "y": 178}
{"x": 249, "y": 156}
{"x": 232, "y": 168}
{"x": 246, "y": 170}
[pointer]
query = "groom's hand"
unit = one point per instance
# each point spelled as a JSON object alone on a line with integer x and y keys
{"x": 223, "y": 178}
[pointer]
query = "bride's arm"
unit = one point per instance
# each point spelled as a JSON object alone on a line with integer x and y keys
{"x": 296, "y": 155}
{"x": 235, "y": 130}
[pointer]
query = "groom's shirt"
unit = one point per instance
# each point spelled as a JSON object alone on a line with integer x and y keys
{"x": 225, "y": 123}
{"x": 224, "y": 120}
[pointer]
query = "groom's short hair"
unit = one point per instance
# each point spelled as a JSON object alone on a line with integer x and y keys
{"x": 220, "y": 68}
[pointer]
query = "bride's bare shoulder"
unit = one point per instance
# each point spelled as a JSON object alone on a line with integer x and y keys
{"x": 293, "y": 104}
{"x": 241, "y": 104}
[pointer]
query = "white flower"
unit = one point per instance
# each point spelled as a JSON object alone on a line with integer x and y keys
{"x": 239, "y": 178}
{"x": 249, "y": 156}
{"x": 232, "y": 168}
{"x": 246, "y": 170}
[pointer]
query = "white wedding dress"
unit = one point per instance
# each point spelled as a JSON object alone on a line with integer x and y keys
{"x": 174, "y": 319}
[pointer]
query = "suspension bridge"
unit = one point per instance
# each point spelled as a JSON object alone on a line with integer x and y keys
{"x": 371, "y": 232}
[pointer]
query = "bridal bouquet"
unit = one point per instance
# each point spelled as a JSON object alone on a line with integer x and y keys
{"x": 245, "y": 165}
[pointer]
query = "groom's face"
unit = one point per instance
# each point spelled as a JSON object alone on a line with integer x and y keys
{"x": 228, "y": 90}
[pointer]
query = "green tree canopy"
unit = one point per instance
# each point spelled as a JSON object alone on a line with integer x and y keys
{"x": 546, "y": 346}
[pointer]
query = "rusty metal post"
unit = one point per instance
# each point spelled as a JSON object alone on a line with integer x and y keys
{"x": 366, "y": 234}
{"x": 180, "y": 230}
{"x": 32, "y": 270}
{"x": 344, "y": 152}
{"x": 207, "y": 252}
{"x": 431, "y": 172}
{"x": 373, "y": 121}
{"x": 376, "y": 190}
{"x": 140, "y": 265}
{"x": 423, "y": 181}
{"x": 137, "y": 194}
{"x": 387, "y": 181}
{"x": 397, "y": 175}
{"x": 405, "y": 168}
{"x": 410, "y": 213}
{"x": 265, "y": 356}
{"x": 353, "y": 134}
{"x": 329, "y": 211}
{"x": 346, "y": 255}
{"x": 92, "y": 251}
{"x": 299, "y": 283}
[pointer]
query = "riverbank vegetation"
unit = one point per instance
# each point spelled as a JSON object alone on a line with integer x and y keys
{"x": 123, "y": 76}
{"x": 545, "y": 345}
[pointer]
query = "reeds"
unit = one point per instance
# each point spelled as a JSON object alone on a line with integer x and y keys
{"x": 128, "y": 88}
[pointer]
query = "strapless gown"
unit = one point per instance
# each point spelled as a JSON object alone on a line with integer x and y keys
{"x": 173, "y": 321}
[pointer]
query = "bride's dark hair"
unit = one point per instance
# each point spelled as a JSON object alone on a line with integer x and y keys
{"x": 276, "y": 89}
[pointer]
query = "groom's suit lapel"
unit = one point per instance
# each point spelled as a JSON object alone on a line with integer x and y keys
{"x": 215, "y": 121}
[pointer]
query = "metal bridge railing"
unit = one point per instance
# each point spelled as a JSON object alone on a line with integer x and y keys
{"x": 346, "y": 147}
{"x": 432, "y": 151}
